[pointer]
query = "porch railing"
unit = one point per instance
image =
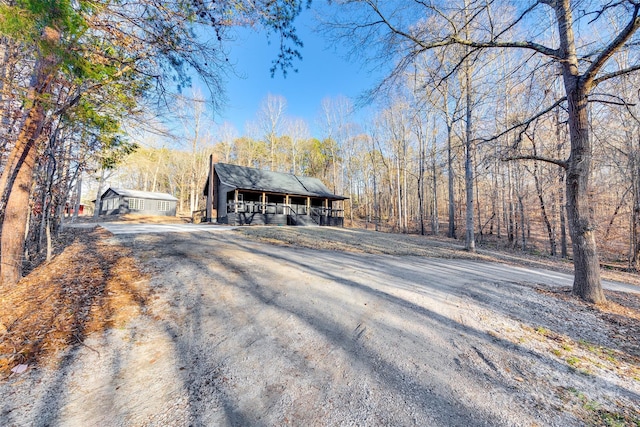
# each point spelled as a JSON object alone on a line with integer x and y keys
{"x": 283, "y": 209}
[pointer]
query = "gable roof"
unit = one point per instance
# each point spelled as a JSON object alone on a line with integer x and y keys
{"x": 140, "y": 194}
{"x": 246, "y": 178}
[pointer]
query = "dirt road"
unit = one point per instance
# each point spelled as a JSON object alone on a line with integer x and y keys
{"x": 245, "y": 333}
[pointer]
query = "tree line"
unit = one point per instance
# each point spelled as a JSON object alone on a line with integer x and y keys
{"x": 403, "y": 170}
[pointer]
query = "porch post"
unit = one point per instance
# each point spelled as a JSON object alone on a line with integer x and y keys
{"x": 308, "y": 205}
{"x": 264, "y": 203}
{"x": 236, "y": 200}
{"x": 209, "y": 213}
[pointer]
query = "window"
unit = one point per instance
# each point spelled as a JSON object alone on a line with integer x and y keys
{"x": 109, "y": 204}
{"x": 163, "y": 206}
{"x": 136, "y": 204}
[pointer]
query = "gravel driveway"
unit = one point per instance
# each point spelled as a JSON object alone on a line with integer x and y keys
{"x": 244, "y": 333}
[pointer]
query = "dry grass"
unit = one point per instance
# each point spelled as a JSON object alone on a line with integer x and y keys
{"x": 136, "y": 219}
{"x": 368, "y": 241}
{"x": 621, "y": 313}
{"x": 91, "y": 285}
{"x": 359, "y": 241}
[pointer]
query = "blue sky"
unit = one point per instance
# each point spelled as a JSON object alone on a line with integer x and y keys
{"x": 323, "y": 72}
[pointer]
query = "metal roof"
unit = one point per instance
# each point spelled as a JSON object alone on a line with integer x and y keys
{"x": 140, "y": 194}
{"x": 246, "y": 178}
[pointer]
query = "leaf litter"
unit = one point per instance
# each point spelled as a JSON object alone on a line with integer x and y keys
{"x": 90, "y": 286}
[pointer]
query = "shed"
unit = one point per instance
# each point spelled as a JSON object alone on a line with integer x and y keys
{"x": 244, "y": 195}
{"x": 117, "y": 201}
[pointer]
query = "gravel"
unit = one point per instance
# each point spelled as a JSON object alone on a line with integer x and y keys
{"x": 241, "y": 332}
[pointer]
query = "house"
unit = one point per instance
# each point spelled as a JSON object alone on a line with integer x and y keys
{"x": 243, "y": 195}
{"x": 117, "y": 201}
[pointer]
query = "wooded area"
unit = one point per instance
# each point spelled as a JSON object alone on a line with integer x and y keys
{"x": 506, "y": 121}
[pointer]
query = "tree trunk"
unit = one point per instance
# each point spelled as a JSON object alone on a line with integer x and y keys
{"x": 98, "y": 205}
{"x": 478, "y": 217}
{"x": 17, "y": 176}
{"x": 405, "y": 191}
{"x": 635, "y": 224}
{"x": 421, "y": 161}
{"x": 376, "y": 203}
{"x": 564, "y": 253}
{"x": 543, "y": 208}
{"x": 561, "y": 184}
{"x": 17, "y": 206}
{"x": 44, "y": 204}
{"x": 469, "y": 241}
{"x": 452, "y": 209}
{"x": 495, "y": 207}
{"x": 435, "y": 223}
{"x": 523, "y": 220}
{"x": 49, "y": 243}
{"x": 545, "y": 218}
{"x": 78, "y": 195}
{"x": 634, "y": 258}
{"x": 586, "y": 263}
{"x": 192, "y": 195}
{"x": 399, "y": 187}
{"x": 586, "y": 283}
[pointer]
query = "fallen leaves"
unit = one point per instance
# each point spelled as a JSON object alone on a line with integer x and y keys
{"x": 621, "y": 315}
{"x": 91, "y": 285}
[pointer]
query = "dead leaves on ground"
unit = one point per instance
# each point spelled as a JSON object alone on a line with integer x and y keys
{"x": 621, "y": 314}
{"x": 90, "y": 286}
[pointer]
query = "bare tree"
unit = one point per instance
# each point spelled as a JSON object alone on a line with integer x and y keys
{"x": 336, "y": 126}
{"x": 405, "y": 29}
{"x": 271, "y": 121}
{"x": 227, "y": 134}
{"x": 192, "y": 113}
{"x": 298, "y": 131}
{"x": 449, "y": 106}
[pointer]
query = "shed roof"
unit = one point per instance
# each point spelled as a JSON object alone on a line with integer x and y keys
{"x": 246, "y": 178}
{"x": 140, "y": 194}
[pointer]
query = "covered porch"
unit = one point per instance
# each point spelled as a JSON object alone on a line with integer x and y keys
{"x": 260, "y": 208}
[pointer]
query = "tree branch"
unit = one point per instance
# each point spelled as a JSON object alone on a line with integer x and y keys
{"x": 527, "y": 122}
{"x": 615, "y": 74}
{"x": 554, "y": 53}
{"x": 561, "y": 163}
{"x": 603, "y": 10}
{"x": 424, "y": 46}
{"x": 588, "y": 78}
{"x": 618, "y": 100}
{"x": 517, "y": 20}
